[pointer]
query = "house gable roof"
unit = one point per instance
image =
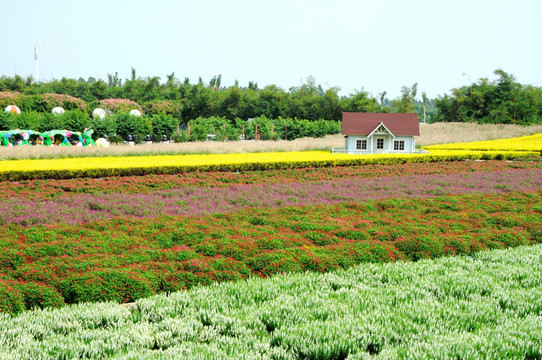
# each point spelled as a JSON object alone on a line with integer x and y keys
{"x": 380, "y": 126}
{"x": 365, "y": 123}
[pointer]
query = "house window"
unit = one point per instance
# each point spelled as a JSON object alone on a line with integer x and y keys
{"x": 361, "y": 144}
{"x": 399, "y": 145}
{"x": 380, "y": 144}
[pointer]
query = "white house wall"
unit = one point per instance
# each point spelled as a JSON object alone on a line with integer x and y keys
{"x": 409, "y": 144}
{"x": 350, "y": 144}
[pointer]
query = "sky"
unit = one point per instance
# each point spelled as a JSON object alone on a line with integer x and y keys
{"x": 373, "y": 46}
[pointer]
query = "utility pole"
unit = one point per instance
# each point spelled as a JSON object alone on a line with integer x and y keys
{"x": 36, "y": 53}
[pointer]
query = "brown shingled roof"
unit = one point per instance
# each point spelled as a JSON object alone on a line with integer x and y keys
{"x": 355, "y": 123}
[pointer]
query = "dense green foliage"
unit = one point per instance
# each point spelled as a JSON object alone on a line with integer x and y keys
{"x": 220, "y": 128}
{"x": 500, "y": 101}
{"x": 504, "y": 101}
{"x": 118, "y": 126}
{"x": 186, "y": 101}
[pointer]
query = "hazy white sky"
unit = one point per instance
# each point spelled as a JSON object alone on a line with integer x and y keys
{"x": 371, "y": 45}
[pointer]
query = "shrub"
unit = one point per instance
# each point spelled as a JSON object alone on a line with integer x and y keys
{"x": 119, "y": 105}
{"x": 169, "y": 107}
{"x": 421, "y": 247}
{"x": 104, "y": 127}
{"x": 220, "y": 127}
{"x": 352, "y": 234}
{"x": 11, "y": 300}
{"x": 321, "y": 238}
{"x": 75, "y": 120}
{"x": 39, "y": 295}
{"x": 105, "y": 285}
{"x": 355, "y": 252}
{"x": 163, "y": 124}
{"x": 138, "y": 126}
{"x": 10, "y": 98}
{"x": 30, "y": 120}
{"x": 46, "y": 102}
{"x": 7, "y": 120}
{"x": 274, "y": 262}
{"x": 10, "y": 259}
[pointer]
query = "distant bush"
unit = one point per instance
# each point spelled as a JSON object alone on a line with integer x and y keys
{"x": 217, "y": 128}
{"x": 119, "y": 105}
{"x": 138, "y": 126}
{"x": 267, "y": 129}
{"x": 163, "y": 124}
{"x": 168, "y": 107}
{"x": 46, "y": 102}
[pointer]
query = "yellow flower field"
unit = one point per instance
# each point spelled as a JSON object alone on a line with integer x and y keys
{"x": 139, "y": 165}
{"x": 524, "y": 143}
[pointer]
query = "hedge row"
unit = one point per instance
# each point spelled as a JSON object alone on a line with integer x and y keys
{"x": 7, "y": 173}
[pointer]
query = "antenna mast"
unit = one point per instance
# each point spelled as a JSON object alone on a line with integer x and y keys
{"x": 36, "y": 53}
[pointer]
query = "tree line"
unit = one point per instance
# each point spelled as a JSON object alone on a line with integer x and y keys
{"x": 122, "y": 126}
{"x": 501, "y": 101}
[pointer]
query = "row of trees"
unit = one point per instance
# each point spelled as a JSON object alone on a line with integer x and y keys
{"x": 500, "y": 101}
{"x": 503, "y": 101}
{"x": 261, "y": 128}
{"x": 187, "y": 101}
{"x": 117, "y": 127}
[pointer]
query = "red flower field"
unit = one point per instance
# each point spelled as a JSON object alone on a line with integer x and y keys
{"x": 125, "y": 257}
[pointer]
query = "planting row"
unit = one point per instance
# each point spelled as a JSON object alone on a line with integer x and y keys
{"x": 525, "y": 143}
{"x": 124, "y": 259}
{"x": 52, "y": 188}
{"x": 207, "y": 200}
{"x": 484, "y": 306}
{"x": 170, "y": 164}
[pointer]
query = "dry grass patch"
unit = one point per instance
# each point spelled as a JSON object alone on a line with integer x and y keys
{"x": 444, "y": 133}
{"x": 431, "y": 134}
{"x": 206, "y": 147}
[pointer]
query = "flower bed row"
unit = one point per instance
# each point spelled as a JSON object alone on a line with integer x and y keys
{"x": 205, "y": 200}
{"x": 15, "y": 170}
{"x": 53, "y": 188}
{"x": 524, "y": 143}
{"x": 484, "y": 306}
{"x": 124, "y": 258}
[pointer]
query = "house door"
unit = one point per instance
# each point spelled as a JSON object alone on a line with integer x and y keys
{"x": 379, "y": 145}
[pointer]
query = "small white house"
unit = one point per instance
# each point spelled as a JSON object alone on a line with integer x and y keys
{"x": 379, "y": 133}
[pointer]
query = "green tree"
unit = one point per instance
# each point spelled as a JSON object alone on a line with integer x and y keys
{"x": 163, "y": 124}
{"x": 361, "y": 101}
{"x": 137, "y": 126}
{"x": 406, "y": 103}
{"x": 503, "y": 101}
